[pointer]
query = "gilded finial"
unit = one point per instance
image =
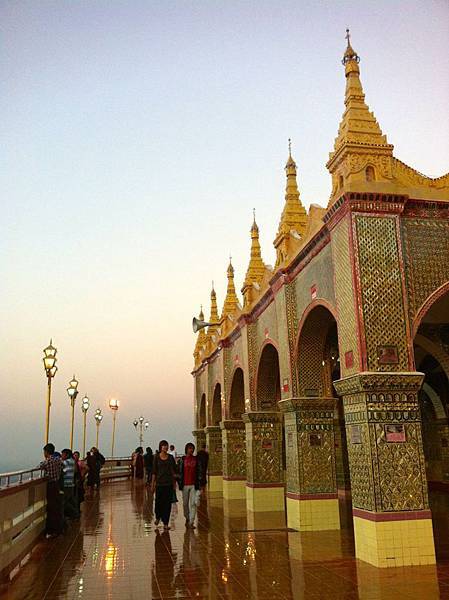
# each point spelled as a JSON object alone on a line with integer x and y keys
{"x": 350, "y": 54}
{"x": 290, "y": 147}
{"x": 254, "y": 216}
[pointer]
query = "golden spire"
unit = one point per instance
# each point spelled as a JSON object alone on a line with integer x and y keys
{"x": 201, "y": 340}
{"x": 231, "y": 303}
{"x": 360, "y": 141}
{"x": 294, "y": 216}
{"x": 256, "y": 267}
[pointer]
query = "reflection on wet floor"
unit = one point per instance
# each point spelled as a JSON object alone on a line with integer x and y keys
{"x": 115, "y": 552}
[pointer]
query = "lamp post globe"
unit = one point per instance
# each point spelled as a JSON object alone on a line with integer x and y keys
{"x": 85, "y": 403}
{"x": 113, "y": 405}
{"x": 72, "y": 392}
{"x": 50, "y": 368}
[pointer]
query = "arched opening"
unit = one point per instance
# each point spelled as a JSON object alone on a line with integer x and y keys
{"x": 268, "y": 392}
{"x": 202, "y": 413}
{"x": 216, "y": 406}
{"x": 370, "y": 173}
{"x": 237, "y": 399}
{"x": 431, "y": 348}
{"x": 318, "y": 366}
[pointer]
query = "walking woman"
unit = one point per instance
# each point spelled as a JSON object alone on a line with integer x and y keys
{"x": 163, "y": 482}
{"x": 189, "y": 483}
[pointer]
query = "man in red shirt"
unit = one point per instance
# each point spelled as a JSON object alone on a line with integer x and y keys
{"x": 189, "y": 483}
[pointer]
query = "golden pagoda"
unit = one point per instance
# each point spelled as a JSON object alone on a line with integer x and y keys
{"x": 257, "y": 269}
{"x": 293, "y": 219}
{"x": 231, "y": 306}
{"x": 362, "y": 158}
{"x": 201, "y": 342}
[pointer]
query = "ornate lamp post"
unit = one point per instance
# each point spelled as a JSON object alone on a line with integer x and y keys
{"x": 113, "y": 405}
{"x": 98, "y": 418}
{"x": 72, "y": 391}
{"x": 50, "y": 370}
{"x": 85, "y": 403}
{"x": 142, "y": 424}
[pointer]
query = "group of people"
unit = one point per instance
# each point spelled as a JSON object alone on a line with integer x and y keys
{"x": 164, "y": 471}
{"x": 67, "y": 475}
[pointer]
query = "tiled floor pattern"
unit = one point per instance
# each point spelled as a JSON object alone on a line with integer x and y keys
{"x": 115, "y": 553}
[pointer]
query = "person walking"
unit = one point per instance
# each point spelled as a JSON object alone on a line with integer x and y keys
{"x": 148, "y": 462}
{"x": 52, "y": 466}
{"x": 68, "y": 485}
{"x": 203, "y": 457}
{"x": 189, "y": 483}
{"x": 95, "y": 460}
{"x": 80, "y": 475}
{"x": 138, "y": 463}
{"x": 163, "y": 482}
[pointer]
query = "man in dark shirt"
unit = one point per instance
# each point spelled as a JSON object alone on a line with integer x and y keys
{"x": 52, "y": 465}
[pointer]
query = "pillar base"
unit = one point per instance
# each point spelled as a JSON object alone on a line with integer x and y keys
{"x": 234, "y": 489}
{"x": 394, "y": 539}
{"x": 265, "y": 498}
{"x": 313, "y": 512}
{"x": 215, "y": 484}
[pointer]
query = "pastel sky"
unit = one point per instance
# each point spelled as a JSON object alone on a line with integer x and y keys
{"x": 136, "y": 139}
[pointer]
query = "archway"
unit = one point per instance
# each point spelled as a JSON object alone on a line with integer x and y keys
{"x": 237, "y": 398}
{"x": 202, "y": 413}
{"x": 268, "y": 390}
{"x": 318, "y": 366}
{"x": 216, "y": 406}
{"x": 431, "y": 351}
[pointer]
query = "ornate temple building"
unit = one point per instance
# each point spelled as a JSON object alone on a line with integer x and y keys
{"x": 330, "y": 378}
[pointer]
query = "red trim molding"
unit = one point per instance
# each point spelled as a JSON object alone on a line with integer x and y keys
{"x": 265, "y": 485}
{"x": 234, "y": 478}
{"x": 409, "y": 515}
{"x": 323, "y": 496}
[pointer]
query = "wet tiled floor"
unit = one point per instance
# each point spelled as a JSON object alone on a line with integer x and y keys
{"x": 116, "y": 553}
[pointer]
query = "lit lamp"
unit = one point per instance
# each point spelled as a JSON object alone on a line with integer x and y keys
{"x": 141, "y": 423}
{"x": 72, "y": 391}
{"x": 50, "y": 370}
{"x": 98, "y": 419}
{"x": 113, "y": 405}
{"x": 85, "y": 403}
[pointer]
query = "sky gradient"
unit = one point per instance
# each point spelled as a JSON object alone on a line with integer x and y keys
{"x": 136, "y": 139}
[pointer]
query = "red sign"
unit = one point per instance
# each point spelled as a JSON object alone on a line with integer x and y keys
{"x": 395, "y": 433}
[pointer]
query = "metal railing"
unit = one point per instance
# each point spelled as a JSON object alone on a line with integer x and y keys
{"x": 116, "y": 467}
{"x": 17, "y": 478}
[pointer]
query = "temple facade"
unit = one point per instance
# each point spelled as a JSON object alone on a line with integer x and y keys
{"x": 330, "y": 378}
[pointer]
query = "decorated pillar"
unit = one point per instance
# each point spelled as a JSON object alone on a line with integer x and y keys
{"x": 215, "y": 449}
{"x": 234, "y": 459}
{"x": 200, "y": 438}
{"x": 392, "y": 520}
{"x": 265, "y": 476}
{"x": 312, "y": 501}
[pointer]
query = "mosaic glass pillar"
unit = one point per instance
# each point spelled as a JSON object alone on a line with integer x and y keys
{"x": 392, "y": 520}
{"x": 234, "y": 459}
{"x": 312, "y": 500}
{"x": 215, "y": 449}
{"x": 264, "y": 461}
{"x": 200, "y": 438}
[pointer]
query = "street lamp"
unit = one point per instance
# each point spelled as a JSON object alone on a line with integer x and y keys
{"x": 98, "y": 418}
{"x": 113, "y": 405}
{"x": 85, "y": 403}
{"x": 50, "y": 370}
{"x": 142, "y": 424}
{"x": 72, "y": 391}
